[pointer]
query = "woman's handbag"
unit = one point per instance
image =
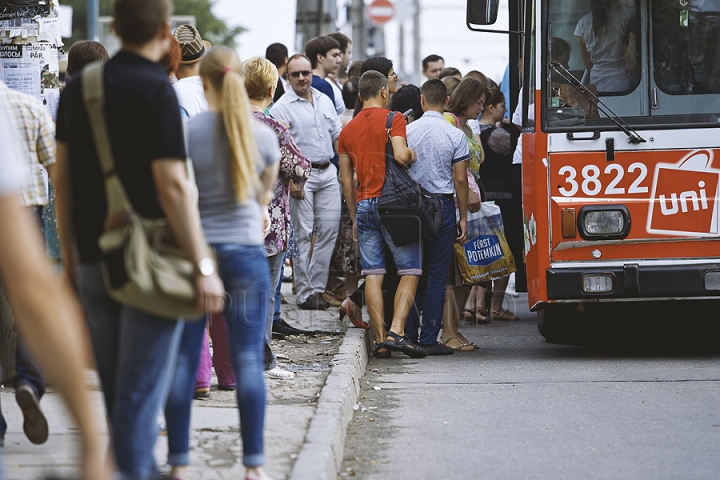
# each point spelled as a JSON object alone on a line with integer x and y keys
{"x": 409, "y": 212}
{"x": 485, "y": 255}
{"x": 142, "y": 265}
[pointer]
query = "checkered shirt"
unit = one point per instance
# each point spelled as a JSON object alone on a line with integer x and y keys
{"x": 36, "y": 129}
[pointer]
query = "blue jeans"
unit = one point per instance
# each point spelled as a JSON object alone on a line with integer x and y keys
{"x": 374, "y": 241}
{"x": 276, "y": 269}
{"x": 278, "y": 301}
{"x": 245, "y": 273}
{"x": 430, "y": 293}
{"x": 182, "y": 389}
{"x": 27, "y": 371}
{"x": 135, "y": 353}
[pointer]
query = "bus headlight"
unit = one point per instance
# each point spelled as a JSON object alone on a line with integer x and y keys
{"x": 604, "y": 222}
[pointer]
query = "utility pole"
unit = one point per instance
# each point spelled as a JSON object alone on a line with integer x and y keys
{"x": 314, "y": 18}
{"x": 416, "y": 43}
{"x": 93, "y": 11}
{"x": 359, "y": 33}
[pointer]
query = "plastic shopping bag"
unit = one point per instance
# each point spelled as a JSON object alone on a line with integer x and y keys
{"x": 486, "y": 254}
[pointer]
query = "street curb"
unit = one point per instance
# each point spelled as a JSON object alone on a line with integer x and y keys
{"x": 322, "y": 453}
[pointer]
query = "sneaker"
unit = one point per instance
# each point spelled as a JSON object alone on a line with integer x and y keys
{"x": 314, "y": 302}
{"x": 280, "y": 374}
{"x": 438, "y": 349}
{"x": 283, "y": 328}
{"x": 35, "y": 424}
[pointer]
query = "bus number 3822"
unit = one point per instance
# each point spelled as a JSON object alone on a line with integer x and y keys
{"x": 592, "y": 183}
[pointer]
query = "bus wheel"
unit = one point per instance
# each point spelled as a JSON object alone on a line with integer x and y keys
{"x": 561, "y": 324}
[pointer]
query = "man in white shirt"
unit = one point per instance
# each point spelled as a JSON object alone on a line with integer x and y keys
{"x": 188, "y": 88}
{"x": 345, "y": 59}
{"x": 315, "y": 127}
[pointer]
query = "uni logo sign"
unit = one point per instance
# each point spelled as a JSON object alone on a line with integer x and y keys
{"x": 685, "y": 197}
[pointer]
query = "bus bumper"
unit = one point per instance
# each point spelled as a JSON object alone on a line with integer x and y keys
{"x": 635, "y": 281}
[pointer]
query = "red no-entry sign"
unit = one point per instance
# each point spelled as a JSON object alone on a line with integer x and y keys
{"x": 379, "y": 12}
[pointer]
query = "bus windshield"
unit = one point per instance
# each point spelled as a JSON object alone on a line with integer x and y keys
{"x": 656, "y": 64}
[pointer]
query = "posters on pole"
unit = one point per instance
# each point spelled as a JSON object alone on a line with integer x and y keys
{"x": 32, "y": 69}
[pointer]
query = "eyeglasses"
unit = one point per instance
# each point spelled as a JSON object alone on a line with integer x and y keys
{"x": 304, "y": 73}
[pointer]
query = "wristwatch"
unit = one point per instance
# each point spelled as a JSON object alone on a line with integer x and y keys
{"x": 206, "y": 267}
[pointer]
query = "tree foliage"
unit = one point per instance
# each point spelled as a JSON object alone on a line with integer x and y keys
{"x": 211, "y": 27}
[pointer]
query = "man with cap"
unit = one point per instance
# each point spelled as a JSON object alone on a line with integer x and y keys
{"x": 188, "y": 88}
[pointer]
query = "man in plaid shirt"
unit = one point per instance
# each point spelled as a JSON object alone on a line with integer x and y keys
{"x": 35, "y": 135}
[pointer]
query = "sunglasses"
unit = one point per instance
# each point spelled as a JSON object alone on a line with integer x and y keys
{"x": 304, "y": 73}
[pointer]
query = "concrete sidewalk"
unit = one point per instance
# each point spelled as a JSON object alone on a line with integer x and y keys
{"x": 306, "y": 418}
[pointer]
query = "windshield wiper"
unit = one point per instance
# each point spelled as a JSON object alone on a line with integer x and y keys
{"x": 633, "y": 136}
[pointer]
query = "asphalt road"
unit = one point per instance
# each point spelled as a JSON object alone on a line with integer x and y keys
{"x": 521, "y": 408}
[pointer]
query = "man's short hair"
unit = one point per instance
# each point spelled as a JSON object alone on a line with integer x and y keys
{"x": 488, "y": 82}
{"x": 350, "y": 93}
{"x": 260, "y": 76}
{"x": 431, "y": 58}
{"x": 560, "y": 48}
{"x": 276, "y": 53}
{"x": 342, "y": 39}
{"x": 434, "y": 91}
{"x": 449, "y": 72}
{"x": 83, "y": 53}
{"x": 295, "y": 57}
{"x": 355, "y": 69}
{"x": 319, "y": 46}
{"x": 371, "y": 82}
{"x": 137, "y": 22}
{"x": 451, "y": 84}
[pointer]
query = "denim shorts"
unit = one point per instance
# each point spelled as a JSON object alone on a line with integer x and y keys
{"x": 374, "y": 240}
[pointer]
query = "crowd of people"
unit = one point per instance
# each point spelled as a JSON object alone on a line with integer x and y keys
{"x": 288, "y": 160}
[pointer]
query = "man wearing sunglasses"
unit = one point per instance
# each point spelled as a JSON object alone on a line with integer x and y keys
{"x": 315, "y": 127}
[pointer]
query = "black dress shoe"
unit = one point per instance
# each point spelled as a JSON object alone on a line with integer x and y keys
{"x": 315, "y": 302}
{"x": 283, "y": 328}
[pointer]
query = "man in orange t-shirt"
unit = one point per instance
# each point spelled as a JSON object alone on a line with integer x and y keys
{"x": 362, "y": 152}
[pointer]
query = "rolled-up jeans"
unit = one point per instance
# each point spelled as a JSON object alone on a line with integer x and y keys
{"x": 245, "y": 273}
{"x": 135, "y": 353}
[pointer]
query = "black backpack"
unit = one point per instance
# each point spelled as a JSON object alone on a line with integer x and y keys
{"x": 409, "y": 213}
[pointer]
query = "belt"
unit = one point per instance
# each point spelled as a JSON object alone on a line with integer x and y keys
{"x": 448, "y": 196}
{"x": 320, "y": 166}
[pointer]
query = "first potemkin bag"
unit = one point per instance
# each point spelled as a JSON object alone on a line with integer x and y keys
{"x": 485, "y": 255}
{"x": 142, "y": 266}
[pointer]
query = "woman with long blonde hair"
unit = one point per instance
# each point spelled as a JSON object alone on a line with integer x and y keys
{"x": 236, "y": 161}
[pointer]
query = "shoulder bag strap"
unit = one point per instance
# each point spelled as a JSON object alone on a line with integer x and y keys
{"x": 388, "y": 127}
{"x": 93, "y": 94}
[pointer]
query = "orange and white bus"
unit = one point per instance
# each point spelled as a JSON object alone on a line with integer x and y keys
{"x": 620, "y": 151}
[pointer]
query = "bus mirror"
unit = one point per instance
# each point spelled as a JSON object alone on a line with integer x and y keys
{"x": 482, "y": 12}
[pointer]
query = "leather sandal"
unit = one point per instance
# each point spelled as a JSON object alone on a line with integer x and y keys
{"x": 458, "y": 345}
{"x": 400, "y": 343}
{"x": 462, "y": 337}
{"x": 382, "y": 355}
{"x": 503, "y": 316}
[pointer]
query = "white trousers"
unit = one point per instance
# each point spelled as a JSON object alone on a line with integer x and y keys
{"x": 318, "y": 211}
